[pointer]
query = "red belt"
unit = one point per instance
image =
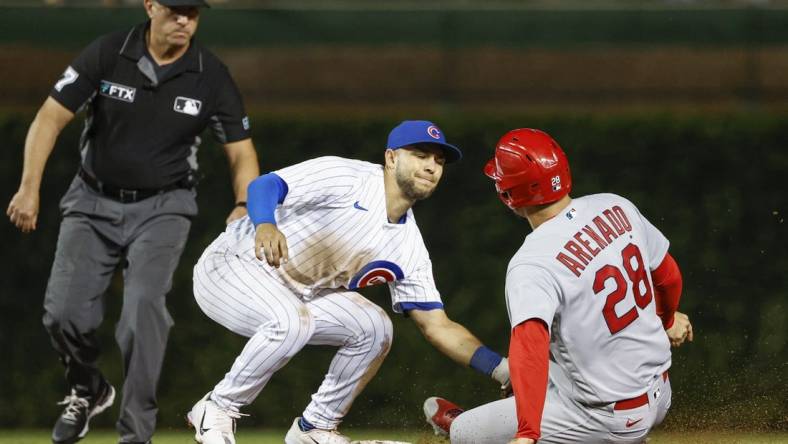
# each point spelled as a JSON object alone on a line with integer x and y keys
{"x": 637, "y": 401}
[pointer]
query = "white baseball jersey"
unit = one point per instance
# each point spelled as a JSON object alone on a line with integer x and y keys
{"x": 586, "y": 273}
{"x": 338, "y": 234}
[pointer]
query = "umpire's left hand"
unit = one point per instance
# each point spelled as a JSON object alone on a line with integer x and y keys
{"x": 23, "y": 210}
{"x": 237, "y": 213}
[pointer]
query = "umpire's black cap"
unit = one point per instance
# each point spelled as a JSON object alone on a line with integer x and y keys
{"x": 184, "y": 3}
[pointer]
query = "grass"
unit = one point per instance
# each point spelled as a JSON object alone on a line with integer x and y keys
{"x": 277, "y": 436}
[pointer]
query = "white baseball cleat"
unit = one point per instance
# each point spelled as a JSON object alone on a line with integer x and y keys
{"x": 315, "y": 436}
{"x": 440, "y": 413}
{"x": 212, "y": 424}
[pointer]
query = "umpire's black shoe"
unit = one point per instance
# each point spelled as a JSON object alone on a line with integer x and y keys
{"x": 72, "y": 425}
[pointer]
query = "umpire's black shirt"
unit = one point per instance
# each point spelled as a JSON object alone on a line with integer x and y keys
{"x": 143, "y": 121}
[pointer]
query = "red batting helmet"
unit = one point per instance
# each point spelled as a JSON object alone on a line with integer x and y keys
{"x": 529, "y": 168}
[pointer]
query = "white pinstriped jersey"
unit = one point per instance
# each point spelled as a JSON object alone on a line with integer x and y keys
{"x": 586, "y": 273}
{"x": 338, "y": 234}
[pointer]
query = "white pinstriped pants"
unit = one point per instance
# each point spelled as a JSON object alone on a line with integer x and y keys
{"x": 245, "y": 297}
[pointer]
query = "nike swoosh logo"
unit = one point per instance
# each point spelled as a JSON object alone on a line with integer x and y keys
{"x": 202, "y": 422}
{"x": 630, "y": 422}
{"x": 359, "y": 207}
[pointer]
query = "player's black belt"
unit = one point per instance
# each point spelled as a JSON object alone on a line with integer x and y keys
{"x": 127, "y": 195}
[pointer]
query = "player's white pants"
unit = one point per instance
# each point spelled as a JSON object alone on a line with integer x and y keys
{"x": 248, "y": 299}
{"x": 565, "y": 420}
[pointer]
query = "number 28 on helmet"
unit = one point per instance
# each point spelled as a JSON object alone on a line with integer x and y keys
{"x": 529, "y": 168}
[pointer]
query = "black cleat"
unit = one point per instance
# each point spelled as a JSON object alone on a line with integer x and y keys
{"x": 72, "y": 425}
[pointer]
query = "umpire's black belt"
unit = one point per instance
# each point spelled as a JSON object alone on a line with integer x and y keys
{"x": 127, "y": 195}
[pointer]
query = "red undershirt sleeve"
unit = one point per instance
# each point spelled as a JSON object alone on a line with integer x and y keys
{"x": 667, "y": 289}
{"x": 529, "y": 350}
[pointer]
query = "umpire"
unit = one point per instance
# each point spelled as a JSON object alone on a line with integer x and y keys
{"x": 148, "y": 93}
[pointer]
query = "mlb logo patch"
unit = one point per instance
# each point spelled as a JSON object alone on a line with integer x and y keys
{"x": 188, "y": 106}
{"x": 117, "y": 91}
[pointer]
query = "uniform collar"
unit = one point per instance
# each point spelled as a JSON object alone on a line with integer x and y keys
{"x": 134, "y": 49}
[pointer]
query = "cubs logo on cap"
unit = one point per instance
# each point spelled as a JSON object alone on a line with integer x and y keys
{"x": 376, "y": 273}
{"x": 412, "y": 132}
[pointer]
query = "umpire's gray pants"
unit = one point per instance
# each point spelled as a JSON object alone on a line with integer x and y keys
{"x": 96, "y": 235}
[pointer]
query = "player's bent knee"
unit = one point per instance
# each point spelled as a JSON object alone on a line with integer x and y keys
{"x": 378, "y": 332}
{"x": 387, "y": 333}
{"x": 383, "y": 322}
{"x": 463, "y": 430}
{"x": 381, "y": 344}
{"x": 296, "y": 327}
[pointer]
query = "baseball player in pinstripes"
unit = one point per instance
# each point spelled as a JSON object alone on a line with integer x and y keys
{"x": 594, "y": 288}
{"x": 286, "y": 275}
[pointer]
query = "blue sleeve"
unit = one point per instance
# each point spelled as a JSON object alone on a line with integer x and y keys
{"x": 263, "y": 195}
{"x": 424, "y": 306}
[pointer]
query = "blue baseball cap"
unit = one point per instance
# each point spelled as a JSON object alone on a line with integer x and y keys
{"x": 411, "y": 132}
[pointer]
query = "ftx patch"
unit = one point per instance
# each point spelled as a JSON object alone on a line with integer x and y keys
{"x": 117, "y": 91}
